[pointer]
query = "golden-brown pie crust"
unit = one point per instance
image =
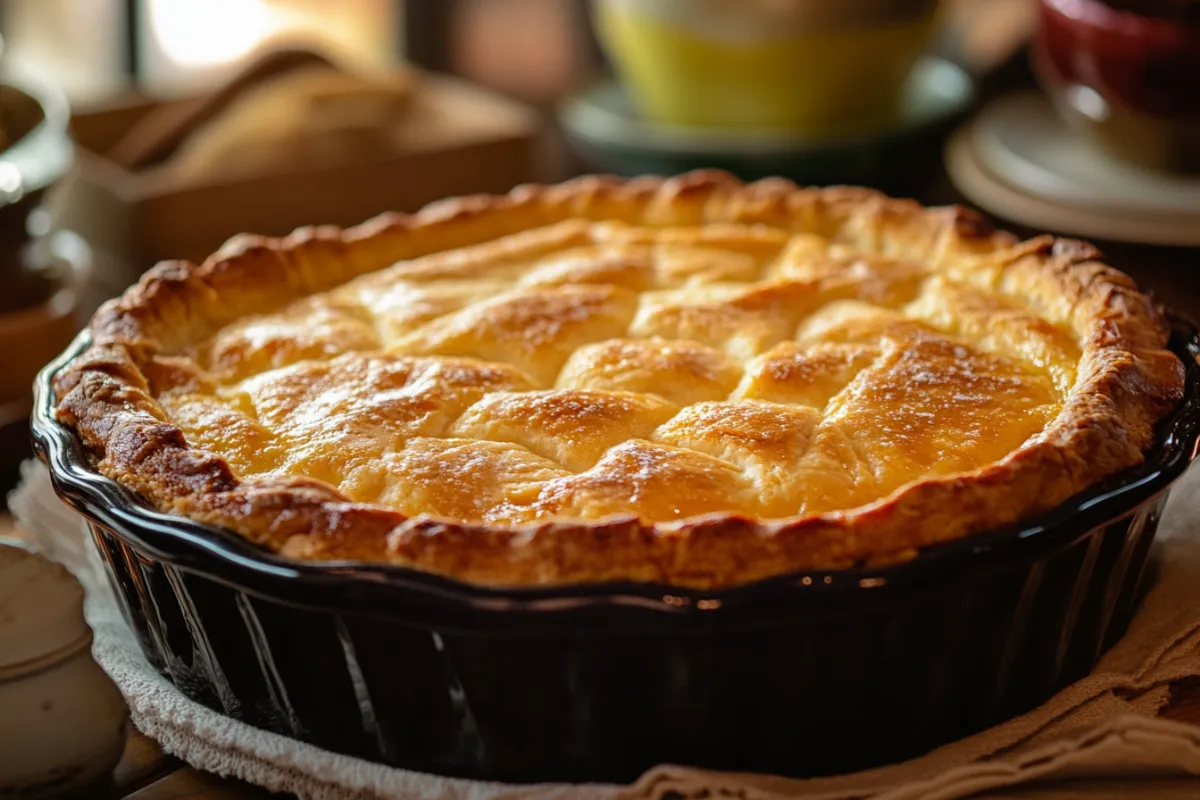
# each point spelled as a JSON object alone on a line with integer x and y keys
{"x": 588, "y": 396}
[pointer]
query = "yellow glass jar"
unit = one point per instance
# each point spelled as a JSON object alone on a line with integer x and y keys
{"x": 720, "y": 64}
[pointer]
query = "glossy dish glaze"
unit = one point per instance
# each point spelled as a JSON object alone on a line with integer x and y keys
{"x": 809, "y": 673}
{"x": 690, "y": 381}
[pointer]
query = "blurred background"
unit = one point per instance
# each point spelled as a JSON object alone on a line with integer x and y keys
{"x": 138, "y": 130}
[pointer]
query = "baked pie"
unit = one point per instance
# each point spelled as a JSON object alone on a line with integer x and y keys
{"x": 691, "y": 381}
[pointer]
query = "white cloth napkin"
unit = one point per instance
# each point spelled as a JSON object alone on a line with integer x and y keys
{"x": 1102, "y": 730}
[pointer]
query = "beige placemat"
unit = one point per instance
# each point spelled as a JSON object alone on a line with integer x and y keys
{"x": 1102, "y": 728}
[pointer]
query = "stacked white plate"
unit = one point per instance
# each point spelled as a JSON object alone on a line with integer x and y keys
{"x": 1019, "y": 161}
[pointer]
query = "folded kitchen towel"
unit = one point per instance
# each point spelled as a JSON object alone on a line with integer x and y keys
{"x": 1099, "y": 733}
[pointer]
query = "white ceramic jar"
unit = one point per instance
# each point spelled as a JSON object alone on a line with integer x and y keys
{"x": 63, "y": 723}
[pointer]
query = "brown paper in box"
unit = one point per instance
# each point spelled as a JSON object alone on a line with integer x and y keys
{"x": 469, "y": 141}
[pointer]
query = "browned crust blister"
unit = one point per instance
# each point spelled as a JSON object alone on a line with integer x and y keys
{"x": 1126, "y": 382}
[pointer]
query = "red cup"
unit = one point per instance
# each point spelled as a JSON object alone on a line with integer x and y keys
{"x": 1130, "y": 80}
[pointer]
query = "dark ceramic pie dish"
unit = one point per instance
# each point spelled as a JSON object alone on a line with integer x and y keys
{"x": 801, "y": 674}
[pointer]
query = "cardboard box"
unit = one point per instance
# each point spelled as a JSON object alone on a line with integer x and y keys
{"x": 481, "y": 143}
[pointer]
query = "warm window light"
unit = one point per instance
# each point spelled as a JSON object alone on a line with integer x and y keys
{"x": 213, "y": 32}
{"x": 189, "y": 44}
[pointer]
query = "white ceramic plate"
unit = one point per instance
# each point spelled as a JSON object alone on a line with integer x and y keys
{"x": 1018, "y": 160}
